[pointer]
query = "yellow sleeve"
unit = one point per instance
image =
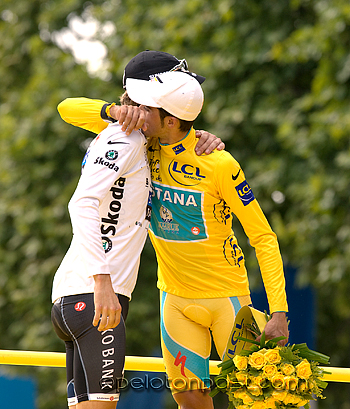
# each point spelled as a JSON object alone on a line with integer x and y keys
{"x": 237, "y": 193}
{"x": 84, "y": 113}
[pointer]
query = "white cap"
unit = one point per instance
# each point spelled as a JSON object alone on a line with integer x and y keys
{"x": 177, "y": 92}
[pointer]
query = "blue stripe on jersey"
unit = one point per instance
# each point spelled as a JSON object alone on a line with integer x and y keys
{"x": 236, "y": 304}
{"x": 195, "y": 363}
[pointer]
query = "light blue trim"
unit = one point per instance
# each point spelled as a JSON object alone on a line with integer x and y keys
{"x": 167, "y": 144}
{"x": 236, "y": 304}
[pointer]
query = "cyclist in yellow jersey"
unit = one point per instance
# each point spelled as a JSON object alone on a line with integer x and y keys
{"x": 201, "y": 272}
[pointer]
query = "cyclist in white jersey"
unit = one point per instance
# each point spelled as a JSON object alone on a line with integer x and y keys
{"x": 110, "y": 213}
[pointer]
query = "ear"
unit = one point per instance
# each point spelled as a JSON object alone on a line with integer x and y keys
{"x": 172, "y": 122}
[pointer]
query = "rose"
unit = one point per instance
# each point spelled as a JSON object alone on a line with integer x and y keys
{"x": 242, "y": 407}
{"x": 258, "y": 380}
{"x": 242, "y": 394}
{"x": 269, "y": 371}
{"x": 242, "y": 378}
{"x": 278, "y": 381}
{"x": 241, "y": 362}
{"x": 279, "y": 395}
{"x": 290, "y": 399}
{"x": 287, "y": 369}
{"x": 302, "y": 385}
{"x": 291, "y": 382}
{"x": 255, "y": 390}
{"x": 273, "y": 356}
{"x": 304, "y": 369}
{"x": 256, "y": 360}
{"x": 247, "y": 399}
{"x": 258, "y": 404}
{"x": 270, "y": 403}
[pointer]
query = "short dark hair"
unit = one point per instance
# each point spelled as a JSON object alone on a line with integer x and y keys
{"x": 185, "y": 126}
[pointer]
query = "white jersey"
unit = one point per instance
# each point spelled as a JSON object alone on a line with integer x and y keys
{"x": 110, "y": 212}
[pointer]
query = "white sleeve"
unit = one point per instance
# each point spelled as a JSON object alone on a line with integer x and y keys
{"x": 102, "y": 166}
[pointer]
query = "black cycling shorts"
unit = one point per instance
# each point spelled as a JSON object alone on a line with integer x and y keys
{"x": 94, "y": 359}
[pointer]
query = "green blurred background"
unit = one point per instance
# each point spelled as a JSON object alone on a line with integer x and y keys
{"x": 277, "y": 92}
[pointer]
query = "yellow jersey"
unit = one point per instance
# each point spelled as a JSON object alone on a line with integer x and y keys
{"x": 193, "y": 200}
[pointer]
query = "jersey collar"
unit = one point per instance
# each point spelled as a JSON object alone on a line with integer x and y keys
{"x": 177, "y": 148}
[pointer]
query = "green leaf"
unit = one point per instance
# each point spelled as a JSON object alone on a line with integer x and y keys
{"x": 304, "y": 352}
{"x": 226, "y": 364}
{"x": 251, "y": 341}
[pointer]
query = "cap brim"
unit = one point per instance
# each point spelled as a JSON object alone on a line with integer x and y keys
{"x": 199, "y": 78}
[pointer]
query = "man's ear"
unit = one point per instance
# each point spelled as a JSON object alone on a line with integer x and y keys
{"x": 172, "y": 122}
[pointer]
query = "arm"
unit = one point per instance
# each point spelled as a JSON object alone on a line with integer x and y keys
{"x": 91, "y": 114}
{"x": 94, "y": 114}
{"x": 84, "y": 212}
{"x": 84, "y": 208}
{"x": 84, "y": 113}
{"x": 237, "y": 193}
{"x": 132, "y": 117}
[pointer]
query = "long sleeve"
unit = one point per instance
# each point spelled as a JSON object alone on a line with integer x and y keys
{"x": 94, "y": 185}
{"x": 84, "y": 113}
{"x": 237, "y": 193}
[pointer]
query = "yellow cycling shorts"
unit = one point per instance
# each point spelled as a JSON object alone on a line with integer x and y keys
{"x": 186, "y": 328}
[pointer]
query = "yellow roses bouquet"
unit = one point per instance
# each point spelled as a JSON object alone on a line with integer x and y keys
{"x": 268, "y": 376}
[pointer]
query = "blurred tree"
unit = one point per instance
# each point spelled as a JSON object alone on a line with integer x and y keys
{"x": 39, "y": 169}
{"x": 277, "y": 92}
